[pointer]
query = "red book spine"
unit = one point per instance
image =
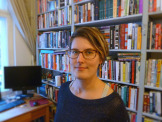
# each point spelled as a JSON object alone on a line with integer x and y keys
{"x": 129, "y": 98}
{"x": 46, "y": 60}
{"x": 156, "y": 36}
{"x": 56, "y": 94}
{"x": 159, "y": 39}
{"x": 77, "y": 7}
{"x": 83, "y": 13}
{"x": 122, "y": 36}
{"x": 154, "y": 6}
{"x": 119, "y": 11}
{"x": 133, "y": 67}
{"x": 144, "y": 103}
{"x": 54, "y": 61}
{"x": 148, "y": 104}
{"x": 112, "y": 86}
{"x": 89, "y": 11}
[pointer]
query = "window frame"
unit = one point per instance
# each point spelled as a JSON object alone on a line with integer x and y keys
{"x": 10, "y": 44}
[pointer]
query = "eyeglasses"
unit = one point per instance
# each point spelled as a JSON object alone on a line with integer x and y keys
{"x": 87, "y": 54}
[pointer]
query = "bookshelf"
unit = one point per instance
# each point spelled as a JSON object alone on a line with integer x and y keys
{"x": 145, "y": 53}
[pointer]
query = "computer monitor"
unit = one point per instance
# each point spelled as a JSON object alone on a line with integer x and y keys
{"x": 22, "y": 77}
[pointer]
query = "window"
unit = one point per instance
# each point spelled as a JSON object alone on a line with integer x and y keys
{"x": 3, "y": 46}
{"x": 3, "y": 4}
{"x": 3, "y": 39}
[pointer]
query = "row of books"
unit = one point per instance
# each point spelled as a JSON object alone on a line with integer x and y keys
{"x": 84, "y": 13}
{"x": 152, "y": 103}
{"x": 104, "y": 9}
{"x": 75, "y": 1}
{"x": 155, "y": 36}
{"x": 59, "y": 39}
{"x": 123, "y": 36}
{"x": 146, "y": 119}
{"x": 90, "y": 11}
{"x": 132, "y": 116}
{"x": 128, "y": 94}
{"x": 55, "y": 61}
{"x": 154, "y": 73}
{"x": 55, "y": 18}
{"x": 49, "y": 91}
{"x": 49, "y": 5}
{"x": 155, "y": 5}
{"x": 52, "y": 92}
{"x": 124, "y": 71}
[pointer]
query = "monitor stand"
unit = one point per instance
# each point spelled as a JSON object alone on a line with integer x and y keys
{"x": 24, "y": 95}
{"x": 1, "y": 100}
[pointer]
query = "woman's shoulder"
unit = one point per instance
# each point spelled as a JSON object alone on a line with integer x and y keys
{"x": 65, "y": 85}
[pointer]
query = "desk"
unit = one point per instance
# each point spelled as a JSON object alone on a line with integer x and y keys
{"x": 25, "y": 113}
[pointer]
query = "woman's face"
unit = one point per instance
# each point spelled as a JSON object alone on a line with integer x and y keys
{"x": 84, "y": 68}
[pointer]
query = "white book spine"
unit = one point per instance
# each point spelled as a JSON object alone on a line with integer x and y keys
{"x": 92, "y": 11}
{"x": 121, "y": 71}
{"x": 126, "y": 71}
{"x": 158, "y": 5}
{"x": 135, "y": 98}
{"x": 128, "y": 77}
{"x": 132, "y": 98}
{"x": 159, "y": 103}
{"x": 129, "y": 36}
{"x": 122, "y": 7}
{"x": 117, "y": 70}
{"x": 58, "y": 60}
{"x": 106, "y": 70}
{"x": 81, "y": 9}
{"x": 137, "y": 71}
{"x": 153, "y": 73}
{"x": 103, "y": 71}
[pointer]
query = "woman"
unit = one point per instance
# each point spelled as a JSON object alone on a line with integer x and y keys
{"x": 87, "y": 98}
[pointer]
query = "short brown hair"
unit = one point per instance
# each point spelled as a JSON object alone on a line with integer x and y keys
{"x": 95, "y": 37}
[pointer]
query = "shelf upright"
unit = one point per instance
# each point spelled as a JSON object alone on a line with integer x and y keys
{"x": 72, "y": 17}
{"x": 143, "y": 59}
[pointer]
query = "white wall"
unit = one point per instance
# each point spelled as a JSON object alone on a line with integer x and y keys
{"x": 22, "y": 53}
{"x": 18, "y": 52}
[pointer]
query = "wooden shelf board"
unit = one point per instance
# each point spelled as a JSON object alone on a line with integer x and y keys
{"x": 119, "y": 82}
{"x": 113, "y": 21}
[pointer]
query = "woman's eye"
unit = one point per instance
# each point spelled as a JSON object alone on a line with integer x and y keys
{"x": 89, "y": 52}
{"x": 74, "y": 52}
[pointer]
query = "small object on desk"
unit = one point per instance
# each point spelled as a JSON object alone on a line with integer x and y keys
{"x": 11, "y": 105}
{"x": 35, "y": 103}
{"x": 2, "y": 102}
{"x": 39, "y": 101}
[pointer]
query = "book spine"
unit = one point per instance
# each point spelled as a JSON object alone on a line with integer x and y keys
{"x": 111, "y": 37}
{"x": 114, "y": 8}
{"x": 139, "y": 38}
{"x": 122, "y": 36}
{"x": 126, "y": 36}
{"x": 129, "y": 36}
{"x": 140, "y": 6}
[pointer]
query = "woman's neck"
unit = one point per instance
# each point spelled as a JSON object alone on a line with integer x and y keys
{"x": 87, "y": 89}
{"x": 86, "y": 85}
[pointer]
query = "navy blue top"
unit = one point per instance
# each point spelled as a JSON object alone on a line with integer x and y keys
{"x": 71, "y": 108}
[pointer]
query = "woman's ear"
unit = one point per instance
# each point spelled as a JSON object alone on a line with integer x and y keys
{"x": 100, "y": 62}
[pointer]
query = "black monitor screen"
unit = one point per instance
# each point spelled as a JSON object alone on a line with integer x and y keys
{"x": 22, "y": 77}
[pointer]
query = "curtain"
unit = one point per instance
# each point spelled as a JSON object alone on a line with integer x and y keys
{"x": 23, "y": 13}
